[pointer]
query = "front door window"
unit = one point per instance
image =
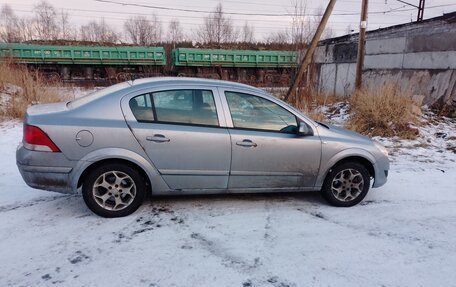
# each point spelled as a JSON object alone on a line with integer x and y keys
{"x": 252, "y": 112}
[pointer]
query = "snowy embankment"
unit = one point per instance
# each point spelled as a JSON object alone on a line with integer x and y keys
{"x": 403, "y": 234}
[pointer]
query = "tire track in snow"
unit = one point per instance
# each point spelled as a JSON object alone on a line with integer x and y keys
{"x": 268, "y": 237}
{"x": 377, "y": 233}
{"x": 256, "y": 268}
{"x": 34, "y": 202}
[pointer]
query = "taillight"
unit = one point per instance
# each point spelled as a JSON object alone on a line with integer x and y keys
{"x": 36, "y": 139}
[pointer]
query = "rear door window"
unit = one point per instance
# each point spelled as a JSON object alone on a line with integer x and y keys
{"x": 142, "y": 108}
{"x": 195, "y": 107}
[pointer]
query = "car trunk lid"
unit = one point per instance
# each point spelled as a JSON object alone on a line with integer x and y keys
{"x": 43, "y": 109}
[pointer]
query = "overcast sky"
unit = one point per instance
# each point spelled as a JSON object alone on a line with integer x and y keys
{"x": 82, "y": 11}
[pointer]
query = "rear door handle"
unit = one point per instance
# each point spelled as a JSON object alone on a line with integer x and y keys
{"x": 158, "y": 138}
{"x": 247, "y": 143}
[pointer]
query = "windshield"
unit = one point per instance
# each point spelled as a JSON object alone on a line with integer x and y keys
{"x": 97, "y": 94}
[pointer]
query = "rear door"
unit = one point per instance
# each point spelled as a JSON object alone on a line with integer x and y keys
{"x": 267, "y": 153}
{"x": 183, "y": 134}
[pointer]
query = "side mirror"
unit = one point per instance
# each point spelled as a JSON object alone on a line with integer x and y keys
{"x": 304, "y": 130}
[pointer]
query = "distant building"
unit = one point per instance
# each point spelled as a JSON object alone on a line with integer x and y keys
{"x": 418, "y": 55}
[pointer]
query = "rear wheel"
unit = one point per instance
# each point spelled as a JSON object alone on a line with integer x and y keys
{"x": 346, "y": 184}
{"x": 113, "y": 190}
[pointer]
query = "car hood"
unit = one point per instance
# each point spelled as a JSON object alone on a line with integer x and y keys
{"x": 341, "y": 133}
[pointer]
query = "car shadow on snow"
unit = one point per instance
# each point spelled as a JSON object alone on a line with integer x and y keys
{"x": 313, "y": 197}
{"x": 230, "y": 199}
{"x": 73, "y": 206}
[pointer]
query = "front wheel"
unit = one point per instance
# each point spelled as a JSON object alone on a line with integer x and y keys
{"x": 113, "y": 190}
{"x": 346, "y": 184}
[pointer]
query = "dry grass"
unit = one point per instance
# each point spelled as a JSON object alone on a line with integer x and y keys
{"x": 20, "y": 88}
{"x": 311, "y": 103}
{"x": 386, "y": 111}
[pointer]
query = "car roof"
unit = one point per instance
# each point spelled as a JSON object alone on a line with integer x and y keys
{"x": 190, "y": 81}
{"x": 145, "y": 83}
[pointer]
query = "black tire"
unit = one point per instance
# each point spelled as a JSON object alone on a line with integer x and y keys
{"x": 134, "y": 202}
{"x": 327, "y": 189}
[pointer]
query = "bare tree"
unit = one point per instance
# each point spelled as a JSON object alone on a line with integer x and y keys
{"x": 89, "y": 32}
{"x": 279, "y": 37}
{"x": 247, "y": 33}
{"x": 98, "y": 32}
{"x": 328, "y": 32}
{"x": 142, "y": 31}
{"x": 302, "y": 29}
{"x": 46, "y": 21}
{"x": 175, "y": 33}
{"x": 156, "y": 35}
{"x": 66, "y": 30}
{"x": 9, "y": 22}
{"x": 26, "y": 29}
{"x": 217, "y": 28}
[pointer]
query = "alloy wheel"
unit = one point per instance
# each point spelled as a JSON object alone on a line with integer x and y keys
{"x": 347, "y": 185}
{"x": 114, "y": 190}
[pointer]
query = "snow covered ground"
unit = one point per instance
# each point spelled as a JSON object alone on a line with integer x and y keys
{"x": 403, "y": 234}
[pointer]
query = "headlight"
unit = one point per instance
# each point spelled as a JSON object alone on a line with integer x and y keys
{"x": 381, "y": 148}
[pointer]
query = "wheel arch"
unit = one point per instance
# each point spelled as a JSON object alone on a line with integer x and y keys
{"x": 96, "y": 164}
{"x": 96, "y": 158}
{"x": 359, "y": 159}
{"x": 360, "y": 156}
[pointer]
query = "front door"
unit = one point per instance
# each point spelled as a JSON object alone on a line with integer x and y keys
{"x": 180, "y": 131}
{"x": 266, "y": 150}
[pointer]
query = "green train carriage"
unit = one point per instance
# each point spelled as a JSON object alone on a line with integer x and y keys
{"x": 121, "y": 63}
{"x": 88, "y": 62}
{"x": 248, "y": 66}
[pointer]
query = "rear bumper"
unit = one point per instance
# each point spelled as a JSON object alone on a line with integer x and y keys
{"x": 45, "y": 170}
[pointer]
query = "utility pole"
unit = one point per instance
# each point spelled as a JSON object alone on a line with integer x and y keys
{"x": 361, "y": 45}
{"x": 419, "y": 18}
{"x": 309, "y": 53}
{"x": 420, "y": 8}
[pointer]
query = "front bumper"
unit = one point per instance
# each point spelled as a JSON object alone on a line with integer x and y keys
{"x": 381, "y": 168}
{"x": 45, "y": 170}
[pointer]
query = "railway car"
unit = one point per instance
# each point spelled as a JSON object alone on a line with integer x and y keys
{"x": 120, "y": 63}
{"x": 88, "y": 62}
{"x": 247, "y": 66}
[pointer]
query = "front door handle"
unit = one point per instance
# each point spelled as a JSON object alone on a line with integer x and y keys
{"x": 158, "y": 138}
{"x": 247, "y": 143}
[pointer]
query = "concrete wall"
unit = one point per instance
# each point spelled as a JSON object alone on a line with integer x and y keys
{"x": 420, "y": 56}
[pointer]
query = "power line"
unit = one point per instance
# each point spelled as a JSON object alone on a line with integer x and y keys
{"x": 246, "y": 14}
{"x": 180, "y": 16}
{"x": 195, "y": 10}
{"x": 260, "y": 29}
{"x": 188, "y": 23}
{"x": 349, "y": 13}
{"x": 148, "y": 14}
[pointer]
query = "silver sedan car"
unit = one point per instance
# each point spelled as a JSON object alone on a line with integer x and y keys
{"x": 188, "y": 136}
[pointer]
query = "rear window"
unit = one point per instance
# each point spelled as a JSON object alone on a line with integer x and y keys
{"x": 141, "y": 106}
{"x": 96, "y": 95}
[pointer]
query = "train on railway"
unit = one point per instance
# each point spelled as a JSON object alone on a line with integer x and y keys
{"x": 120, "y": 63}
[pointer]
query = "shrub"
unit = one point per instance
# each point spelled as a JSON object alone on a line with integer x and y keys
{"x": 385, "y": 111}
{"x": 20, "y": 88}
